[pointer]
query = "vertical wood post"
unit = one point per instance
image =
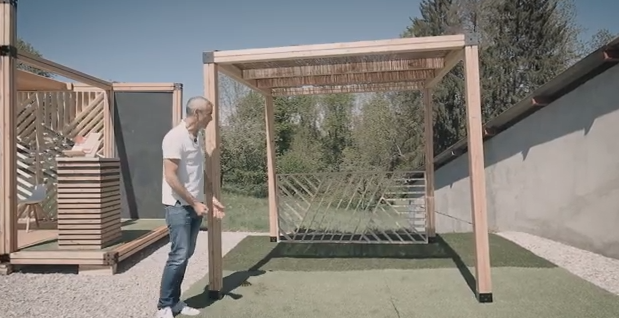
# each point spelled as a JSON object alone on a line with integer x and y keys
{"x": 429, "y": 164}
{"x": 8, "y": 147}
{"x": 477, "y": 174}
{"x": 212, "y": 144}
{"x": 109, "y": 142}
{"x": 177, "y": 102}
{"x": 269, "y": 118}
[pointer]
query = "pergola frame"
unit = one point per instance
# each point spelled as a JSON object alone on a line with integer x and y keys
{"x": 352, "y": 67}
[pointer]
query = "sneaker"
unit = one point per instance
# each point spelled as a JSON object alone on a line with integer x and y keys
{"x": 164, "y": 313}
{"x": 183, "y": 309}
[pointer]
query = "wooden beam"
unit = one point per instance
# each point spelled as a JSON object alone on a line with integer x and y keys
{"x": 144, "y": 87}
{"x": 62, "y": 70}
{"x": 429, "y": 164}
{"x": 212, "y": 146}
{"x": 451, "y": 60}
{"x": 340, "y": 89}
{"x": 346, "y": 79}
{"x": 271, "y": 173}
{"x": 31, "y": 82}
{"x": 345, "y": 68}
{"x": 477, "y": 174}
{"x": 380, "y": 47}
{"x": 8, "y": 122}
{"x": 237, "y": 75}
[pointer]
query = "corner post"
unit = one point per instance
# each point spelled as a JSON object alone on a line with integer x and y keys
{"x": 477, "y": 171}
{"x": 177, "y": 101}
{"x": 109, "y": 141}
{"x": 269, "y": 118}
{"x": 8, "y": 147}
{"x": 429, "y": 165}
{"x": 212, "y": 184}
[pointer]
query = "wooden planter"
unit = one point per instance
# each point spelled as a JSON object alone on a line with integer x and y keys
{"x": 88, "y": 202}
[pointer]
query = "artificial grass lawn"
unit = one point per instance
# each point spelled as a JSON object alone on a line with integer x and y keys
{"x": 346, "y": 280}
{"x": 451, "y": 250}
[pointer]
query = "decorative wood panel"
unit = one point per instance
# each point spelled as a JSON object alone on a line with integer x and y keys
{"x": 47, "y": 123}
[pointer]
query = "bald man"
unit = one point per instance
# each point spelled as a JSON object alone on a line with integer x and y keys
{"x": 184, "y": 200}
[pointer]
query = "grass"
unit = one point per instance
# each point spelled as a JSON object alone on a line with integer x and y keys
{"x": 451, "y": 250}
{"x": 249, "y": 214}
{"x": 245, "y": 214}
{"x": 263, "y": 279}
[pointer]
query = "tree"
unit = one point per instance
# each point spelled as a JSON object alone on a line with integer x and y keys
{"x": 599, "y": 39}
{"x": 529, "y": 43}
{"x": 28, "y": 48}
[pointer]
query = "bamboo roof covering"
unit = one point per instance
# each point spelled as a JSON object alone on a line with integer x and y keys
{"x": 351, "y": 67}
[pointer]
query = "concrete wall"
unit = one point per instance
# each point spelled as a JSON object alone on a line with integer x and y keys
{"x": 554, "y": 174}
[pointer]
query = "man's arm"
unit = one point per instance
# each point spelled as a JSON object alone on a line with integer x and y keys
{"x": 170, "y": 169}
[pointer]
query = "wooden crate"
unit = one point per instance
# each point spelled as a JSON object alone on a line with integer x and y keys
{"x": 88, "y": 202}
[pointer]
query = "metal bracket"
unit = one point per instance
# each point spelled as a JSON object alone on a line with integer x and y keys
{"x": 10, "y": 2}
{"x": 8, "y": 50}
{"x": 178, "y": 86}
{"x": 5, "y": 258}
{"x": 208, "y": 57}
{"x": 471, "y": 38}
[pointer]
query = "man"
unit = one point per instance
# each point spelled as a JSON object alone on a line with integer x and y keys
{"x": 184, "y": 200}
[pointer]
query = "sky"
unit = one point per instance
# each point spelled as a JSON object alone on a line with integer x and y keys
{"x": 163, "y": 40}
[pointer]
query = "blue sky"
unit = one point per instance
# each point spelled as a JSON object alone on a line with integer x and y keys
{"x": 162, "y": 40}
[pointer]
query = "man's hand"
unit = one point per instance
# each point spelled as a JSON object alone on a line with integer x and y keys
{"x": 218, "y": 208}
{"x": 200, "y": 208}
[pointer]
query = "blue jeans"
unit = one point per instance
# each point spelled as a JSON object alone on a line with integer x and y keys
{"x": 184, "y": 226}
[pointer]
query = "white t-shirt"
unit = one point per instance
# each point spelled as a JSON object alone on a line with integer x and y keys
{"x": 179, "y": 144}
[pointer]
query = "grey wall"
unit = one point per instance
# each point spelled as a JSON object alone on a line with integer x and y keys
{"x": 554, "y": 174}
{"x": 142, "y": 120}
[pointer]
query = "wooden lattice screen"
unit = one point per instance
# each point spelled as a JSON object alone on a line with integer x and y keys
{"x": 47, "y": 123}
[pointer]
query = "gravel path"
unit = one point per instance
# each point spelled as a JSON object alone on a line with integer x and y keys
{"x": 132, "y": 293}
{"x": 597, "y": 269}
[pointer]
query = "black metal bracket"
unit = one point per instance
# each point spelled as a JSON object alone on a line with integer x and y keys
{"x": 178, "y": 86}
{"x": 5, "y": 258}
{"x": 208, "y": 57}
{"x": 11, "y": 2}
{"x": 8, "y": 50}
{"x": 215, "y": 294}
{"x": 471, "y": 39}
{"x": 273, "y": 239}
{"x": 485, "y": 298}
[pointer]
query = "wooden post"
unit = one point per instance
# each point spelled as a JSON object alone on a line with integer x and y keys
{"x": 177, "y": 96}
{"x": 8, "y": 148}
{"x": 109, "y": 142}
{"x": 212, "y": 144}
{"x": 477, "y": 173}
{"x": 269, "y": 117}
{"x": 429, "y": 164}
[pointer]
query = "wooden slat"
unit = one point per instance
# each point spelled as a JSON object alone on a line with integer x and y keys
{"x": 92, "y": 219}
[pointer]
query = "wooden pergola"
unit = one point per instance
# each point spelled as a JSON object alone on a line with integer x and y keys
{"x": 353, "y": 67}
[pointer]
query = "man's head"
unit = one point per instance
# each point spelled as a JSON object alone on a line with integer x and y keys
{"x": 199, "y": 112}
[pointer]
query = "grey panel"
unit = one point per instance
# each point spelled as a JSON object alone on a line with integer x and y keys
{"x": 142, "y": 120}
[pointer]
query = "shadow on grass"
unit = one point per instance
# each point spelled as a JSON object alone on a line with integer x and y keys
{"x": 230, "y": 283}
{"x": 440, "y": 249}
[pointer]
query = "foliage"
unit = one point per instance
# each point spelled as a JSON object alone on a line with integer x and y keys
{"x": 24, "y": 46}
{"x": 523, "y": 44}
